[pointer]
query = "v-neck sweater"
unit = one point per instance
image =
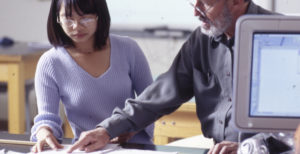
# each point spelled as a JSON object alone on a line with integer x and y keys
{"x": 87, "y": 99}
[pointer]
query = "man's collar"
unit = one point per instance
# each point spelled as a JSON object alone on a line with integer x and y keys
{"x": 222, "y": 39}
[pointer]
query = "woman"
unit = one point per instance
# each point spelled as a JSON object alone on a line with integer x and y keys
{"x": 90, "y": 71}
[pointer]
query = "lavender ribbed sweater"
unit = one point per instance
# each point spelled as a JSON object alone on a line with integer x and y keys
{"x": 89, "y": 100}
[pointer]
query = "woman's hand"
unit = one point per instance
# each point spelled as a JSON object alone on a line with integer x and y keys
{"x": 91, "y": 140}
{"x": 122, "y": 138}
{"x": 45, "y": 138}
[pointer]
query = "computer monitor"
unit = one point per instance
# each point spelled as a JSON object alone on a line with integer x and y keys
{"x": 267, "y": 73}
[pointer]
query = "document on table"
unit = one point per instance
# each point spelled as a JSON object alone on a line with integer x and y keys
{"x": 108, "y": 149}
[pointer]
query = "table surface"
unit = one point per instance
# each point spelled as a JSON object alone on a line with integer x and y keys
{"x": 25, "y": 149}
{"x": 23, "y": 48}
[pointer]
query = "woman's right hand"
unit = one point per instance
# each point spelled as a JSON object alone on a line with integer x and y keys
{"x": 45, "y": 138}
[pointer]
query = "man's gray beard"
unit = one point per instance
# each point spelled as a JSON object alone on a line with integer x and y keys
{"x": 220, "y": 25}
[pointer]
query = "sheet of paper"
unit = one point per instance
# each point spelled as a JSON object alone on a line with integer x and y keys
{"x": 136, "y": 151}
{"x": 108, "y": 149}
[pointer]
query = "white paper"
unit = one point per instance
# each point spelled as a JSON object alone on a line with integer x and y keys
{"x": 108, "y": 149}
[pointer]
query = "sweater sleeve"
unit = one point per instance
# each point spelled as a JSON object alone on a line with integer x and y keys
{"x": 140, "y": 73}
{"x": 47, "y": 98}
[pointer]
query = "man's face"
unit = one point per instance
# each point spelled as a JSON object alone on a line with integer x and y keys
{"x": 214, "y": 15}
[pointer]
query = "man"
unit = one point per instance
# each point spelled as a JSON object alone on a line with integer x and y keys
{"x": 202, "y": 68}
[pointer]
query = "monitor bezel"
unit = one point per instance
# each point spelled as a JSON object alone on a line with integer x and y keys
{"x": 246, "y": 27}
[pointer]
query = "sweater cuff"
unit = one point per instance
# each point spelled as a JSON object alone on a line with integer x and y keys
{"x": 115, "y": 125}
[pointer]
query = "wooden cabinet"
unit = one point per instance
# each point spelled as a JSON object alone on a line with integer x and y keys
{"x": 180, "y": 124}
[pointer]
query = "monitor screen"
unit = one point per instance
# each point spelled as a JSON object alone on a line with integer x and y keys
{"x": 275, "y": 75}
{"x": 267, "y": 73}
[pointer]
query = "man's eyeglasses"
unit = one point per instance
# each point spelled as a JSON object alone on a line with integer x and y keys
{"x": 85, "y": 21}
{"x": 197, "y": 8}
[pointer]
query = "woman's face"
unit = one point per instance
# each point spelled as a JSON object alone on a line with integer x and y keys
{"x": 79, "y": 28}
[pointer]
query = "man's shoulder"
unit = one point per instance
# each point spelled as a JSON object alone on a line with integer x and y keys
{"x": 256, "y": 9}
{"x": 197, "y": 38}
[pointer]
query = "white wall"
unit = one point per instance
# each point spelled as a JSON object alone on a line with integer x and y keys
{"x": 24, "y": 20}
{"x": 288, "y": 6}
{"x": 267, "y": 4}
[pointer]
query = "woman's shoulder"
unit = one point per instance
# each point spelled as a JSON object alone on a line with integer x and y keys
{"x": 126, "y": 47}
{"x": 51, "y": 55}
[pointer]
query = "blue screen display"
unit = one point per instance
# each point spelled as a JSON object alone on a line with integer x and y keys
{"x": 275, "y": 76}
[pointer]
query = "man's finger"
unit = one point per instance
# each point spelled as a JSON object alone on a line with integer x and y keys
{"x": 92, "y": 147}
{"x": 228, "y": 149}
{"x": 216, "y": 149}
{"x": 114, "y": 140}
{"x": 78, "y": 144}
{"x": 224, "y": 147}
{"x": 211, "y": 149}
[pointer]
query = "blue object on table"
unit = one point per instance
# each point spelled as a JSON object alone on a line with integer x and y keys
{"x": 6, "y": 41}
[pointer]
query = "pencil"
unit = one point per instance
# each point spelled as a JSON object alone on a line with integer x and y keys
{"x": 19, "y": 142}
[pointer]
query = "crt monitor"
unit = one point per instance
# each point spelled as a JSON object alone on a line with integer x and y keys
{"x": 267, "y": 73}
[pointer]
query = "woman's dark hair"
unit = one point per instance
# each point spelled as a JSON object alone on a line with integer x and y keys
{"x": 56, "y": 34}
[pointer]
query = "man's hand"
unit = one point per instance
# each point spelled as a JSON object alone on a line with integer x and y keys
{"x": 45, "y": 138}
{"x": 91, "y": 140}
{"x": 225, "y": 147}
{"x": 122, "y": 138}
{"x": 297, "y": 141}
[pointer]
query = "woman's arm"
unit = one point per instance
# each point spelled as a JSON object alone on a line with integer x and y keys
{"x": 140, "y": 71}
{"x": 47, "y": 124}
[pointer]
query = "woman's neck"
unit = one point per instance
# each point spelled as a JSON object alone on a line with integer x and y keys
{"x": 84, "y": 47}
{"x": 87, "y": 47}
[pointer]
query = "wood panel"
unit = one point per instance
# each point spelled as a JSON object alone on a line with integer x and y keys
{"x": 180, "y": 124}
